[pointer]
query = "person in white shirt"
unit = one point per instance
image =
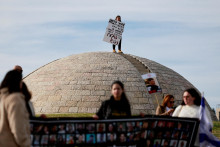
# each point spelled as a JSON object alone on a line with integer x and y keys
{"x": 190, "y": 107}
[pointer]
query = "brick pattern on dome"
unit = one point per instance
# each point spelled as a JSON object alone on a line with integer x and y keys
{"x": 79, "y": 83}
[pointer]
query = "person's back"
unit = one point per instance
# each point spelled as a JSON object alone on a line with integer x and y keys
{"x": 14, "y": 121}
{"x": 10, "y": 122}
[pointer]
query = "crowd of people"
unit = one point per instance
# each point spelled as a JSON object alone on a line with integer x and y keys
{"x": 16, "y": 108}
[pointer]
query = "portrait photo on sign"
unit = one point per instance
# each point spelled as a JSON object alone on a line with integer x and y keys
{"x": 151, "y": 83}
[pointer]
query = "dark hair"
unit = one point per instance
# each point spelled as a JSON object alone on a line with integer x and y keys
{"x": 167, "y": 99}
{"x": 26, "y": 92}
{"x": 123, "y": 95}
{"x": 12, "y": 81}
{"x": 150, "y": 79}
{"x": 117, "y": 16}
{"x": 194, "y": 93}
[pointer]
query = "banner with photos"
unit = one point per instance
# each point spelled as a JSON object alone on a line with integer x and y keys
{"x": 114, "y": 32}
{"x": 147, "y": 131}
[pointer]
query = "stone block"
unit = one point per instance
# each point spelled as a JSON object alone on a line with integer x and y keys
{"x": 98, "y": 92}
{"x": 71, "y": 103}
{"x": 73, "y": 109}
{"x": 90, "y": 98}
{"x": 64, "y": 109}
{"x": 54, "y": 98}
{"x": 82, "y": 110}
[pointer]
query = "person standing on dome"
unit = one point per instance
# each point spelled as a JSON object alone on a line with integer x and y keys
{"x": 118, "y": 104}
{"x": 118, "y": 18}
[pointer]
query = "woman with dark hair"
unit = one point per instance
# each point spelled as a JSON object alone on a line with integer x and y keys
{"x": 190, "y": 104}
{"x": 14, "y": 121}
{"x": 190, "y": 107}
{"x": 118, "y": 18}
{"x": 167, "y": 106}
{"x": 118, "y": 104}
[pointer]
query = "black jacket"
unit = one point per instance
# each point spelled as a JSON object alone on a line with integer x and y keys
{"x": 112, "y": 108}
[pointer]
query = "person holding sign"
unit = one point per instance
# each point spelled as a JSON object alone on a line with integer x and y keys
{"x": 118, "y": 18}
{"x": 167, "y": 106}
{"x": 118, "y": 104}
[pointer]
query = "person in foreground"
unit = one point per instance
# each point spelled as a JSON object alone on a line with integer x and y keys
{"x": 118, "y": 104}
{"x": 14, "y": 119}
{"x": 190, "y": 107}
{"x": 167, "y": 106}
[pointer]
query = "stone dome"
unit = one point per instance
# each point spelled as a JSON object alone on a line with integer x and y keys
{"x": 79, "y": 83}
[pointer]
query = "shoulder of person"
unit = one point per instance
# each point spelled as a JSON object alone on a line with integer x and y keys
{"x": 179, "y": 107}
{"x": 15, "y": 97}
{"x": 106, "y": 102}
{"x": 159, "y": 107}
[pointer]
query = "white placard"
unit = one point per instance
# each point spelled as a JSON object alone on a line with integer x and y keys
{"x": 149, "y": 75}
{"x": 114, "y": 32}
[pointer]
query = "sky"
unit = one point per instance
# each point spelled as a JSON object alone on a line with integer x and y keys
{"x": 181, "y": 35}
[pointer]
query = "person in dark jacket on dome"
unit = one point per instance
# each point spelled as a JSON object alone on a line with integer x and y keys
{"x": 118, "y": 18}
{"x": 118, "y": 104}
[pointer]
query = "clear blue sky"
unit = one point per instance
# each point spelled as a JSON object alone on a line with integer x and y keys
{"x": 182, "y": 35}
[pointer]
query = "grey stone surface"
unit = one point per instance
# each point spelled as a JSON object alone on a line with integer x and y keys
{"x": 79, "y": 83}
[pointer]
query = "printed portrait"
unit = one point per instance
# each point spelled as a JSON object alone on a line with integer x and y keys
{"x": 101, "y": 138}
{"x": 80, "y": 138}
{"x": 44, "y": 139}
{"x": 70, "y": 128}
{"x": 52, "y": 139}
{"x": 61, "y": 129}
{"x": 130, "y": 126}
{"x": 90, "y": 138}
{"x": 100, "y": 127}
{"x": 90, "y": 127}
{"x": 111, "y": 137}
{"x": 121, "y": 127}
{"x": 80, "y": 128}
{"x": 70, "y": 139}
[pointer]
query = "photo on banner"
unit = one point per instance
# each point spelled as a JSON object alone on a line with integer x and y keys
{"x": 151, "y": 83}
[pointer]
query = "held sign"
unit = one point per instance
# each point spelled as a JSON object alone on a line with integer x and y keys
{"x": 114, "y": 32}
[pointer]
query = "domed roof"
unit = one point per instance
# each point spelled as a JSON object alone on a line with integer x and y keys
{"x": 79, "y": 83}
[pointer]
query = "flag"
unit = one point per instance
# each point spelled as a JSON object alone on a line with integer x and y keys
{"x": 206, "y": 138}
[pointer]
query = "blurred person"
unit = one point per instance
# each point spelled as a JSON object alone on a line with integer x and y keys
{"x": 118, "y": 104}
{"x": 14, "y": 120}
{"x": 167, "y": 106}
{"x": 18, "y": 68}
{"x": 190, "y": 107}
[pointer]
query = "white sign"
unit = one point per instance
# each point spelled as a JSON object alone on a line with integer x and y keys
{"x": 149, "y": 75}
{"x": 114, "y": 32}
